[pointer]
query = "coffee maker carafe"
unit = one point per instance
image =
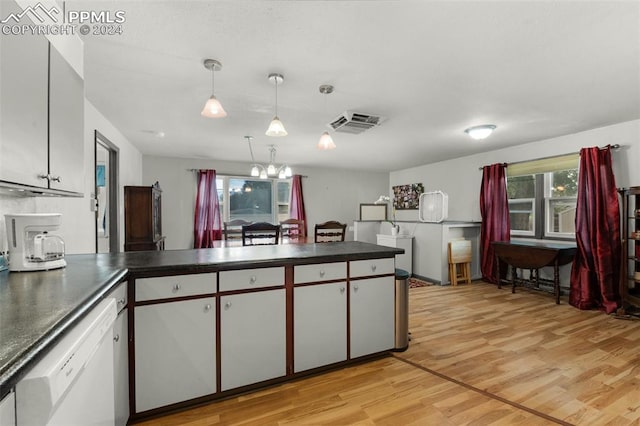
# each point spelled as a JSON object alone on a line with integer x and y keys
{"x": 32, "y": 242}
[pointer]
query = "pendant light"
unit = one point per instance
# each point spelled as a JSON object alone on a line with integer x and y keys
{"x": 213, "y": 107}
{"x": 326, "y": 141}
{"x": 271, "y": 170}
{"x": 276, "y": 128}
{"x": 480, "y": 132}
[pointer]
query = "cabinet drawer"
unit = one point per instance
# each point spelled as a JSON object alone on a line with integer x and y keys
{"x": 175, "y": 286}
{"x": 120, "y": 294}
{"x": 363, "y": 268}
{"x": 244, "y": 279}
{"x": 319, "y": 272}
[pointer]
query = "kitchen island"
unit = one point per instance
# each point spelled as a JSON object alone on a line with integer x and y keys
{"x": 38, "y": 308}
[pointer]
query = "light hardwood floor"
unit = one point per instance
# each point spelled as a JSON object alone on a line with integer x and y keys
{"x": 479, "y": 356}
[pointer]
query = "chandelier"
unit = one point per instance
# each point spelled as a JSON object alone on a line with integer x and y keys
{"x": 271, "y": 170}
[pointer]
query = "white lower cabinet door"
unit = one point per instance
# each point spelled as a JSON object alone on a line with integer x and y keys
{"x": 8, "y": 410}
{"x": 319, "y": 325}
{"x": 372, "y": 315}
{"x": 121, "y": 368}
{"x": 175, "y": 352}
{"x": 253, "y": 337}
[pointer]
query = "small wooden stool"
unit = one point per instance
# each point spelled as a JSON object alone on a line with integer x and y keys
{"x": 460, "y": 261}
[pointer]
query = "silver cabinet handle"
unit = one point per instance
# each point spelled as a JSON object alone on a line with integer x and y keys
{"x": 116, "y": 338}
{"x": 373, "y": 268}
{"x": 41, "y": 176}
{"x": 355, "y": 288}
{"x": 122, "y": 302}
{"x": 253, "y": 279}
{"x": 207, "y": 307}
{"x": 342, "y": 290}
{"x": 55, "y": 178}
{"x": 176, "y": 288}
{"x": 227, "y": 305}
{"x": 322, "y": 273}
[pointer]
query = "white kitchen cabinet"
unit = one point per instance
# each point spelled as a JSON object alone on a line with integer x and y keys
{"x": 66, "y": 125}
{"x": 403, "y": 261}
{"x": 121, "y": 356}
{"x": 252, "y": 337}
{"x": 319, "y": 325}
{"x": 23, "y": 104}
{"x": 8, "y": 410}
{"x": 175, "y": 352}
{"x": 372, "y": 315}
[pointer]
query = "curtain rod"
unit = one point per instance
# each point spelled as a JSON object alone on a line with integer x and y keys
{"x": 232, "y": 174}
{"x": 615, "y": 146}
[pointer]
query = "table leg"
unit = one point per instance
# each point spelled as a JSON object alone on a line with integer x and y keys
{"x": 514, "y": 277}
{"x": 498, "y": 272}
{"x": 556, "y": 281}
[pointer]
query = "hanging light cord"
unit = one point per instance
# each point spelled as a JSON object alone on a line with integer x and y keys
{"x": 276, "y": 96}
{"x": 250, "y": 150}
{"x": 213, "y": 80}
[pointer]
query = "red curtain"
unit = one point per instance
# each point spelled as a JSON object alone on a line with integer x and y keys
{"x": 296, "y": 206}
{"x": 595, "y": 272}
{"x": 207, "y": 221}
{"x": 494, "y": 208}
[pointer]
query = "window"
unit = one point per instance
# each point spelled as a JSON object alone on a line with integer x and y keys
{"x": 254, "y": 200}
{"x": 542, "y": 197}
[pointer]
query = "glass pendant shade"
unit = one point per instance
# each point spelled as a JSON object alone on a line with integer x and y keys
{"x": 263, "y": 174}
{"x": 480, "y": 132}
{"x": 271, "y": 170}
{"x": 255, "y": 172}
{"x": 288, "y": 172}
{"x": 213, "y": 109}
{"x": 326, "y": 142}
{"x": 276, "y": 128}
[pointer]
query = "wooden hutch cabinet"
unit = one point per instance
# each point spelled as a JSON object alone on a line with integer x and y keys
{"x": 143, "y": 218}
{"x": 630, "y": 270}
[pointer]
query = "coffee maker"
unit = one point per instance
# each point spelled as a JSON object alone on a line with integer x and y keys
{"x": 32, "y": 242}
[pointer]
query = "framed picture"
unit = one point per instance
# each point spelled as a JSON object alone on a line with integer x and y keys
{"x": 407, "y": 197}
{"x": 373, "y": 212}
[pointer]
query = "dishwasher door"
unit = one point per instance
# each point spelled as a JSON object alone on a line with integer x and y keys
{"x": 73, "y": 383}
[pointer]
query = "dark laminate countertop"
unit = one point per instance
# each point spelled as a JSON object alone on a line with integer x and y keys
{"x": 38, "y": 308}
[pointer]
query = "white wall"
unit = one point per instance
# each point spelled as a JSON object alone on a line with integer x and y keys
{"x": 329, "y": 194}
{"x": 460, "y": 178}
{"x": 78, "y": 221}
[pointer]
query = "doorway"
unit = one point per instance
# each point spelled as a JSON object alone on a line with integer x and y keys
{"x": 106, "y": 195}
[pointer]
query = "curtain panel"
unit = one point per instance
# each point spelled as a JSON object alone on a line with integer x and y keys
{"x": 595, "y": 272}
{"x": 296, "y": 206}
{"x": 207, "y": 221}
{"x": 496, "y": 226}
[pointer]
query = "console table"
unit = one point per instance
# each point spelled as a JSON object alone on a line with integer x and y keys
{"x": 532, "y": 255}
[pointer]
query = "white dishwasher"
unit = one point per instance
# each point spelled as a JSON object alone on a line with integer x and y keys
{"x": 73, "y": 383}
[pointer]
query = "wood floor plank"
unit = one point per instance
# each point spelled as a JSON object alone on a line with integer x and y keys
{"x": 478, "y": 356}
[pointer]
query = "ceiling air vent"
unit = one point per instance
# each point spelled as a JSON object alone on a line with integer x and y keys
{"x": 354, "y": 122}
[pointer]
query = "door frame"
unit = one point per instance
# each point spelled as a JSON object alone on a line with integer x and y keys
{"x": 114, "y": 235}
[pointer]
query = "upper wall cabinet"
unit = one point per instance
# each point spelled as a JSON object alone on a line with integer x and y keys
{"x": 23, "y": 105}
{"x": 41, "y": 114}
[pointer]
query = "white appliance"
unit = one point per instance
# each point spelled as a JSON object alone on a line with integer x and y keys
{"x": 73, "y": 383}
{"x": 433, "y": 206}
{"x": 32, "y": 242}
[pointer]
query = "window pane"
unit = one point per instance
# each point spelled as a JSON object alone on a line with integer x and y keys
{"x": 521, "y": 186}
{"x": 561, "y": 214}
{"x": 250, "y": 200}
{"x": 220, "y": 189}
{"x": 283, "y": 192}
{"x": 521, "y": 215}
{"x": 564, "y": 183}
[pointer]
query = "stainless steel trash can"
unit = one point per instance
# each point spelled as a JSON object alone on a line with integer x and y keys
{"x": 402, "y": 310}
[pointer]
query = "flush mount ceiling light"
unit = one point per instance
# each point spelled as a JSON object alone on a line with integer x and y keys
{"x": 271, "y": 170}
{"x": 480, "y": 132}
{"x": 326, "y": 141}
{"x": 213, "y": 107}
{"x": 276, "y": 128}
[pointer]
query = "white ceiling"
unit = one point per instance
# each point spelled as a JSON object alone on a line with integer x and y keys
{"x": 535, "y": 69}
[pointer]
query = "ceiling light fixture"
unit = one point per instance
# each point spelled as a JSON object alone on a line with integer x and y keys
{"x": 213, "y": 107}
{"x": 276, "y": 128}
{"x": 271, "y": 170}
{"x": 480, "y": 132}
{"x": 326, "y": 141}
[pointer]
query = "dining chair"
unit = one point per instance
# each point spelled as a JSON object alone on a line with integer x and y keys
{"x": 329, "y": 231}
{"x": 260, "y": 233}
{"x": 292, "y": 230}
{"x": 233, "y": 229}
